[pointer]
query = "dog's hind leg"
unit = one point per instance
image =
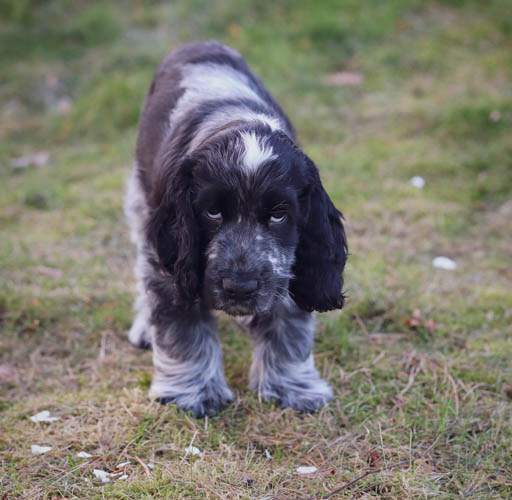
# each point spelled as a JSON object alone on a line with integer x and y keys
{"x": 140, "y": 333}
{"x": 283, "y": 368}
{"x": 136, "y": 212}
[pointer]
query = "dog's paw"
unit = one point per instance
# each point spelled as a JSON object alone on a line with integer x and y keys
{"x": 304, "y": 396}
{"x": 139, "y": 334}
{"x": 207, "y": 401}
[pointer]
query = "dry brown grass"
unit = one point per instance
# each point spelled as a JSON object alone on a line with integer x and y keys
{"x": 420, "y": 358}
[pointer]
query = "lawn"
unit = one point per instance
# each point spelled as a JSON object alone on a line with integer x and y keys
{"x": 420, "y": 358}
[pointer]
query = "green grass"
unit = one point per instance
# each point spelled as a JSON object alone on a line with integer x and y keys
{"x": 436, "y": 101}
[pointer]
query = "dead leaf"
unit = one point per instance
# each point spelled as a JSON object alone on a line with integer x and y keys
{"x": 234, "y": 30}
{"x": 431, "y": 326}
{"x": 52, "y": 272}
{"x": 495, "y": 115}
{"x": 39, "y": 159}
{"x": 415, "y": 320}
{"x": 7, "y": 373}
{"x": 64, "y": 106}
{"x": 344, "y": 78}
{"x": 508, "y": 391}
{"x": 373, "y": 458}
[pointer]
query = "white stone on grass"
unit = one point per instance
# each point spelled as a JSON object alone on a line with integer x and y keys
{"x": 418, "y": 182}
{"x": 306, "y": 470}
{"x": 43, "y": 416}
{"x": 192, "y": 450}
{"x": 444, "y": 263}
{"x": 103, "y": 475}
{"x": 39, "y": 450}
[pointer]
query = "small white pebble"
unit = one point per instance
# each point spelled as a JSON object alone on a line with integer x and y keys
{"x": 418, "y": 182}
{"x": 103, "y": 475}
{"x": 444, "y": 263}
{"x": 39, "y": 450}
{"x": 151, "y": 465}
{"x": 43, "y": 416}
{"x": 305, "y": 470}
{"x": 83, "y": 454}
{"x": 192, "y": 450}
{"x": 267, "y": 454}
{"x": 124, "y": 476}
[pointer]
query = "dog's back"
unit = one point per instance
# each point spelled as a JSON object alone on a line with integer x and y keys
{"x": 198, "y": 90}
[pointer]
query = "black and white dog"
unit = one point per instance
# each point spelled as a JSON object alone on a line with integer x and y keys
{"x": 229, "y": 214}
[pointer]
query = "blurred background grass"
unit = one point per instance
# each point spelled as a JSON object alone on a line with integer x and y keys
{"x": 431, "y": 95}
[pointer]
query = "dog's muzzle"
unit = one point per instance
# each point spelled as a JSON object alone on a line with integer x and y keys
{"x": 240, "y": 277}
{"x": 239, "y": 289}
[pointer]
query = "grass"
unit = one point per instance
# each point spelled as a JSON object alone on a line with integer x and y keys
{"x": 418, "y": 354}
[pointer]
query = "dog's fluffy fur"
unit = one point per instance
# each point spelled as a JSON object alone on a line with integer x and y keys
{"x": 228, "y": 213}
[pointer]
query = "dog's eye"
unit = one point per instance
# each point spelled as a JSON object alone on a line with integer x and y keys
{"x": 278, "y": 217}
{"x": 215, "y": 215}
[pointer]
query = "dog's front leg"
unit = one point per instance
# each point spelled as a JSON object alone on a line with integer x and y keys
{"x": 283, "y": 368}
{"x": 188, "y": 363}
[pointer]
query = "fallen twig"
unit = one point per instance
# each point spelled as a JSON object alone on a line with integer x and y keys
{"x": 409, "y": 462}
{"x": 361, "y": 324}
{"x": 478, "y": 490}
{"x": 455, "y": 393}
{"x": 62, "y": 475}
{"x": 412, "y": 377}
{"x": 144, "y": 466}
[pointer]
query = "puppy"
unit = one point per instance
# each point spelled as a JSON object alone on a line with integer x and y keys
{"x": 228, "y": 213}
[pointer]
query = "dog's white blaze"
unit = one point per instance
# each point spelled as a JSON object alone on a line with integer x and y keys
{"x": 273, "y": 123}
{"x": 256, "y": 151}
{"x": 226, "y": 115}
{"x": 209, "y": 81}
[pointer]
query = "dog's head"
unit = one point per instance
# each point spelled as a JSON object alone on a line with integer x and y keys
{"x": 244, "y": 221}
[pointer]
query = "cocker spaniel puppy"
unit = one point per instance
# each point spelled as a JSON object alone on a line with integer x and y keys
{"x": 229, "y": 214}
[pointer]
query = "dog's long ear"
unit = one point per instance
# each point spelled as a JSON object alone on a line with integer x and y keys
{"x": 173, "y": 232}
{"x": 322, "y": 249}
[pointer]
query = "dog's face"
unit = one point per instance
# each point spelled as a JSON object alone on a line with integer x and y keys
{"x": 248, "y": 219}
{"x": 251, "y": 225}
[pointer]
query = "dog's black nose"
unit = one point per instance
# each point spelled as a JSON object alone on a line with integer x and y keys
{"x": 239, "y": 289}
